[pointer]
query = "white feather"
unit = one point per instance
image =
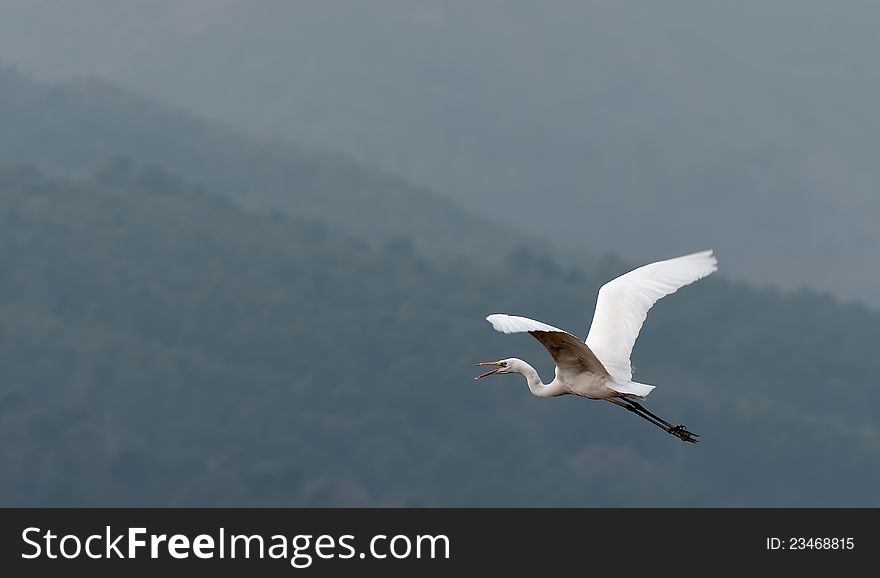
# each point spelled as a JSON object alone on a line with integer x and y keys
{"x": 514, "y": 324}
{"x": 623, "y": 305}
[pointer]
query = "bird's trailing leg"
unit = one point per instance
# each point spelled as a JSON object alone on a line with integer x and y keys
{"x": 642, "y": 409}
{"x": 678, "y": 431}
{"x": 624, "y": 403}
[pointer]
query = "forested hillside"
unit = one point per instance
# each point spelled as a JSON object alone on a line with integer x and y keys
{"x": 162, "y": 346}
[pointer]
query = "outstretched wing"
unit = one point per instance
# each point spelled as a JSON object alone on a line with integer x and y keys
{"x": 624, "y": 302}
{"x": 570, "y": 353}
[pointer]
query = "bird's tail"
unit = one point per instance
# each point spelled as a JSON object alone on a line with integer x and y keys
{"x": 633, "y": 389}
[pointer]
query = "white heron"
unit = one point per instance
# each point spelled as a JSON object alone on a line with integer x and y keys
{"x": 599, "y": 368}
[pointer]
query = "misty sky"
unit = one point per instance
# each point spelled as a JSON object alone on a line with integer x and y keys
{"x": 639, "y": 128}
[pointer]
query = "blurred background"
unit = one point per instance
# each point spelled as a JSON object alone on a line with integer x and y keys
{"x": 247, "y": 249}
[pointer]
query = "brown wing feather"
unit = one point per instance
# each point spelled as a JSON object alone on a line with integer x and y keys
{"x": 570, "y": 352}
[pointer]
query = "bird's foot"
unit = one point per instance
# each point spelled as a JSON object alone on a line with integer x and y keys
{"x": 684, "y": 435}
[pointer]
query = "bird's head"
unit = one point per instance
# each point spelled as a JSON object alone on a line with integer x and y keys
{"x": 510, "y": 365}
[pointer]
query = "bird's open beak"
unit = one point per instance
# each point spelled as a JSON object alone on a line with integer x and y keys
{"x": 488, "y": 373}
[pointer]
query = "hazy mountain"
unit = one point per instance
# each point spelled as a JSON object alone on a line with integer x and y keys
{"x": 161, "y": 346}
{"x": 78, "y": 126}
{"x": 638, "y": 127}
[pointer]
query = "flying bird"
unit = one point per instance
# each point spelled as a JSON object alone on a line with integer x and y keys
{"x": 599, "y": 368}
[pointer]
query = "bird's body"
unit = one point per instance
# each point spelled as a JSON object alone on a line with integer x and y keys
{"x": 588, "y": 385}
{"x": 599, "y": 367}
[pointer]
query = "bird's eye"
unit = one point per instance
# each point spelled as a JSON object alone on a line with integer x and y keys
{"x": 503, "y": 364}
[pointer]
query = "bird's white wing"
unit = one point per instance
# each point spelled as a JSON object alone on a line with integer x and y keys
{"x": 570, "y": 353}
{"x": 513, "y": 324}
{"x": 624, "y": 302}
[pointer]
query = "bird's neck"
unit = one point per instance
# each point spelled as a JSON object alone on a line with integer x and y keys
{"x": 539, "y": 388}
